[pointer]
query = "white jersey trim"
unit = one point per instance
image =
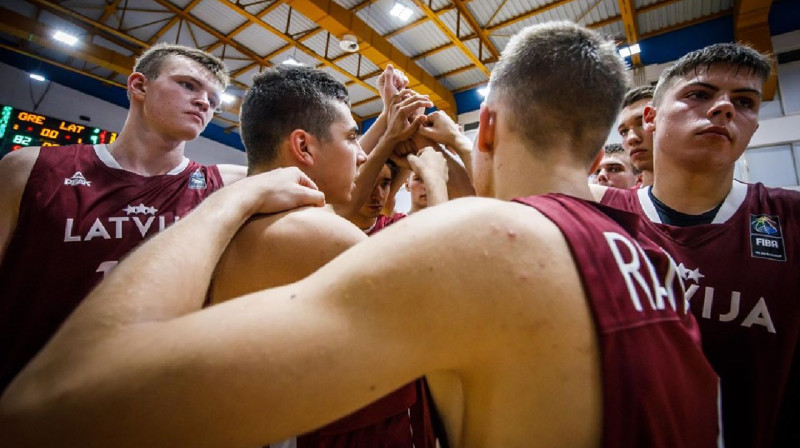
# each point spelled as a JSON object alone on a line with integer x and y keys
{"x": 105, "y": 156}
{"x": 732, "y": 202}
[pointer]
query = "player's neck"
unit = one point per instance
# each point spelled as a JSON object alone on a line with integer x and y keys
{"x": 518, "y": 173}
{"x": 692, "y": 193}
{"x": 647, "y": 178}
{"x": 143, "y": 151}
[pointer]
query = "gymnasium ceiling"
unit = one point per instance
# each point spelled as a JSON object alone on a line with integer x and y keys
{"x": 445, "y": 46}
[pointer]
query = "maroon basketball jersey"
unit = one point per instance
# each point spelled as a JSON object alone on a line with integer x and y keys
{"x": 383, "y": 222}
{"x": 79, "y": 215}
{"x": 658, "y": 388}
{"x": 742, "y": 274}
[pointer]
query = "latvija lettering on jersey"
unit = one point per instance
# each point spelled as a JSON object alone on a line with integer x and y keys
{"x": 641, "y": 277}
{"x": 120, "y": 227}
{"x": 744, "y": 313}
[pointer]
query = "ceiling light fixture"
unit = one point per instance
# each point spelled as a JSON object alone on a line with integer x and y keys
{"x": 37, "y": 77}
{"x": 483, "y": 91}
{"x": 629, "y": 51}
{"x": 401, "y": 11}
{"x": 66, "y": 38}
{"x": 292, "y": 61}
{"x": 227, "y": 98}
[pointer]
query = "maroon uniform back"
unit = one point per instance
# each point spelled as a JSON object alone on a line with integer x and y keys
{"x": 78, "y": 216}
{"x": 742, "y": 274}
{"x": 658, "y": 388}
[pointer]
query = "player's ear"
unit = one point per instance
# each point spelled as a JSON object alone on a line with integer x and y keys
{"x": 649, "y": 118}
{"x": 487, "y": 122}
{"x": 137, "y": 85}
{"x": 300, "y": 147}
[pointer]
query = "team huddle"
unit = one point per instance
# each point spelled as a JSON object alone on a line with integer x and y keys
{"x": 288, "y": 305}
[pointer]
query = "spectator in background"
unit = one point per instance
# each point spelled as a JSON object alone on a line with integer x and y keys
{"x": 637, "y": 141}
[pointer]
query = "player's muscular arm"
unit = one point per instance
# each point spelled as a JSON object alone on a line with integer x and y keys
{"x": 276, "y": 250}
{"x": 15, "y": 169}
{"x": 321, "y": 347}
{"x": 231, "y": 173}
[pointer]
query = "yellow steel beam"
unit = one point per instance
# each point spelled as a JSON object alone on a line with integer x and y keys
{"x": 33, "y": 31}
{"x": 450, "y": 35}
{"x": 39, "y": 33}
{"x": 626, "y": 8}
{"x": 487, "y": 44}
{"x": 94, "y": 24}
{"x": 751, "y": 26}
{"x": 243, "y": 26}
{"x": 111, "y": 8}
{"x": 175, "y": 19}
{"x": 339, "y": 21}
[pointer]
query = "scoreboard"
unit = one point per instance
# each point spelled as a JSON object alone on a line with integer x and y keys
{"x": 19, "y": 128}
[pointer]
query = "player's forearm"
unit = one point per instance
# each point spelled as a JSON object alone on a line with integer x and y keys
{"x": 365, "y": 180}
{"x": 459, "y": 183}
{"x": 178, "y": 263}
{"x": 370, "y": 139}
{"x": 462, "y": 146}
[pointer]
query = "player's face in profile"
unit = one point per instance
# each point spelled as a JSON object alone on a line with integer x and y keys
{"x": 706, "y": 118}
{"x": 637, "y": 142}
{"x": 339, "y": 157}
{"x": 380, "y": 193}
{"x": 182, "y": 99}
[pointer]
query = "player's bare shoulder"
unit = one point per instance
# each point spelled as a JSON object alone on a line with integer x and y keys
{"x": 275, "y": 250}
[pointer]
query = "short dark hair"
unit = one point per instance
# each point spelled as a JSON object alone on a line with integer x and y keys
{"x": 637, "y": 94}
{"x": 539, "y": 64}
{"x": 149, "y": 63}
{"x": 393, "y": 168}
{"x": 738, "y": 55}
{"x": 614, "y": 148}
{"x": 283, "y": 99}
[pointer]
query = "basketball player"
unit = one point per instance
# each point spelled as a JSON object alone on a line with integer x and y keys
{"x": 615, "y": 168}
{"x": 68, "y": 214}
{"x": 737, "y": 244}
{"x": 637, "y": 141}
{"x": 298, "y": 116}
{"x": 543, "y": 320}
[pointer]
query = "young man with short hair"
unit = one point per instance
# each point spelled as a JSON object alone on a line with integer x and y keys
{"x": 736, "y": 244}
{"x": 69, "y": 214}
{"x": 637, "y": 141}
{"x": 541, "y": 320}
{"x": 615, "y": 169}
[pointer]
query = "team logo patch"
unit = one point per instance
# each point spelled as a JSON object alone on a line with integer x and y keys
{"x": 197, "y": 180}
{"x": 139, "y": 209}
{"x": 77, "y": 179}
{"x": 766, "y": 239}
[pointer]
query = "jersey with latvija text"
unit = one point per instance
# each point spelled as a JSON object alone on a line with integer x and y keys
{"x": 658, "y": 388}
{"x": 80, "y": 213}
{"x": 742, "y": 278}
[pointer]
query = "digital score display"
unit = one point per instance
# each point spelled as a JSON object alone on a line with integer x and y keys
{"x": 19, "y": 128}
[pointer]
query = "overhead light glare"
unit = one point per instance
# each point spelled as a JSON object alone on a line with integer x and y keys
{"x": 483, "y": 91}
{"x": 401, "y": 11}
{"x": 37, "y": 77}
{"x": 629, "y": 51}
{"x": 63, "y": 37}
{"x": 292, "y": 61}
{"x": 227, "y": 98}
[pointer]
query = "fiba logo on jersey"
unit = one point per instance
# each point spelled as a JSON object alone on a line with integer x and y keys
{"x": 197, "y": 180}
{"x": 766, "y": 240}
